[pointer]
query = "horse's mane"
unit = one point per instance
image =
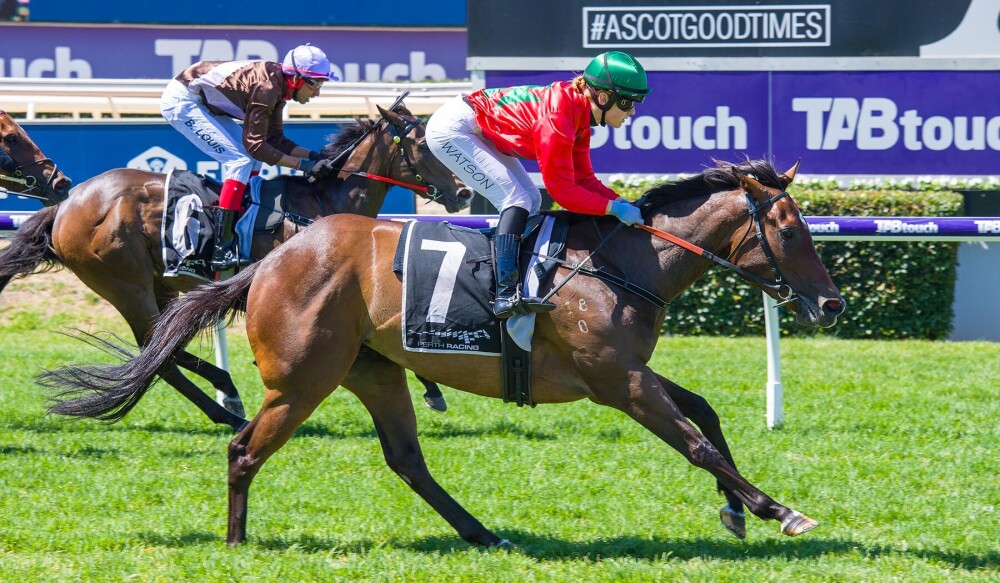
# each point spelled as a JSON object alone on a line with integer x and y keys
{"x": 725, "y": 176}
{"x": 345, "y": 139}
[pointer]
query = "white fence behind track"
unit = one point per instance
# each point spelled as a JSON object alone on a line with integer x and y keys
{"x": 114, "y": 98}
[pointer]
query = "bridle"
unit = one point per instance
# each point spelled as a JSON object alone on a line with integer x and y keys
{"x": 429, "y": 191}
{"x": 14, "y": 173}
{"x": 780, "y": 286}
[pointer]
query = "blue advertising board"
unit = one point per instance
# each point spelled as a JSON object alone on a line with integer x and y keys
{"x": 85, "y": 149}
{"x": 256, "y": 12}
{"x": 853, "y": 122}
{"x": 160, "y": 52}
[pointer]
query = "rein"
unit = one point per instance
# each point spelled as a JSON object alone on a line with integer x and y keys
{"x": 778, "y": 286}
{"x": 430, "y": 190}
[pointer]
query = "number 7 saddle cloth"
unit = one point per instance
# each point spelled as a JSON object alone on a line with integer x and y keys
{"x": 449, "y": 284}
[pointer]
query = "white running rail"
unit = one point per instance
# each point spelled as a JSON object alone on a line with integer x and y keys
{"x": 114, "y": 98}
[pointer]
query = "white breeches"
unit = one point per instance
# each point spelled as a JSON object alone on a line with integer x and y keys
{"x": 218, "y": 136}
{"x": 457, "y": 141}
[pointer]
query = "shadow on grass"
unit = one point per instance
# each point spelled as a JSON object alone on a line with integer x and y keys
{"x": 498, "y": 429}
{"x": 659, "y": 549}
{"x": 182, "y": 540}
{"x": 544, "y": 548}
{"x": 53, "y": 425}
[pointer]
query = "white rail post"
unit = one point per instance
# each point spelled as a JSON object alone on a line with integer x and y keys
{"x": 774, "y": 390}
{"x": 221, "y": 354}
{"x": 221, "y": 345}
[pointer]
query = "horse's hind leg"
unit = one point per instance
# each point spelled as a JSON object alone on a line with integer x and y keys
{"x": 294, "y": 388}
{"x": 381, "y": 386}
{"x": 700, "y": 412}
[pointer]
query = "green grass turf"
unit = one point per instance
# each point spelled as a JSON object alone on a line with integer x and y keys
{"x": 892, "y": 446}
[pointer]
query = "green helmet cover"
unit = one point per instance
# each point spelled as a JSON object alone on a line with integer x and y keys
{"x": 617, "y": 72}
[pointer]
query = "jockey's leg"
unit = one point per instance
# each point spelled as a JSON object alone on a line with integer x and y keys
{"x": 226, "y": 254}
{"x": 220, "y": 137}
{"x": 506, "y": 242}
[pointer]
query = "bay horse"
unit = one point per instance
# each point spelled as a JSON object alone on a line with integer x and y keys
{"x": 24, "y": 169}
{"x": 325, "y": 310}
{"x": 108, "y": 232}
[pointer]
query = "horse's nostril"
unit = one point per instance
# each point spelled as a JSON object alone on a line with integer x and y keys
{"x": 835, "y": 307}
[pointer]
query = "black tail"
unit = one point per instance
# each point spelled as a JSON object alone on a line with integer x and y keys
{"x": 30, "y": 247}
{"x": 109, "y": 392}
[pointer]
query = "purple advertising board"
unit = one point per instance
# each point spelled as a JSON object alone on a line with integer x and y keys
{"x": 858, "y": 122}
{"x": 158, "y": 52}
{"x": 890, "y": 122}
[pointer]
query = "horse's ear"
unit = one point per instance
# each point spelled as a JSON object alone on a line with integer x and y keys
{"x": 755, "y": 188}
{"x": 390, "y": 116}
{"x": 788, "y": 176}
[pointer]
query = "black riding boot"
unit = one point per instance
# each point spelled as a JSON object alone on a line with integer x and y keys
{"x": 509, "y": 301}
{"x": 226, "y": 255}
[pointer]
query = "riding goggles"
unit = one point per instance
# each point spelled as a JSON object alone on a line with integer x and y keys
{"x": 314, "y": 83}
{"x": 626, "y": 103}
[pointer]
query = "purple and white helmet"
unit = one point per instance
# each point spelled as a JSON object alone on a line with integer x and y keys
{"x": 309, "y": 62}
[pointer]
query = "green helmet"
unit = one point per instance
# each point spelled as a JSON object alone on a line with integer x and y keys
{"x": 617, "y": 72}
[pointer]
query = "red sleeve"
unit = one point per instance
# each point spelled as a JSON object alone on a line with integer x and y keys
{"x": 585, "y": 171}
{"x": 559, "y": 155}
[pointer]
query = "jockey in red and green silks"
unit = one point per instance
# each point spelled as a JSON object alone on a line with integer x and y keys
{"x": 481, "y": 136}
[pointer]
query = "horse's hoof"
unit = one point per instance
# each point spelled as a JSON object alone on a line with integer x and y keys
{"x": 504, "y": 545}
{"x": 232, "y": 404}
{"x": 735, "y": 522}
{"x": 797, "y": 524}
{"x": 436, "y": 403}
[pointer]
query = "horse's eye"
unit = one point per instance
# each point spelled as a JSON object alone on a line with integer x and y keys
{"x": 423, "y": 147}
{"x": 787, "y": 234}
{"x": 10, "y": 139}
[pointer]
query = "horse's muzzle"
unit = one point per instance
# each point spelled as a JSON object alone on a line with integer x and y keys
{"x": 823, "y": 312}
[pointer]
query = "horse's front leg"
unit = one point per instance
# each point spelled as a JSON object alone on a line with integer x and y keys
{"x": 700, "y": 412}
{"x": 225, "y": 391}
{"x": 648, "y": 402}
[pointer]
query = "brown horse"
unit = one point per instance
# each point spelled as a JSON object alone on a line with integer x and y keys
{"x": 324, "y": 310}
{"x": 24, "y": 169}
{"x": 108, "y": 231}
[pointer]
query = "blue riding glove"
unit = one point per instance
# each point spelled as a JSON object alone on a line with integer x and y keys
{"x": 625, "y": 212}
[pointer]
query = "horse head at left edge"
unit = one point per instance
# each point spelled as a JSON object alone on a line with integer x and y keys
{"x": 25, "y": 170}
